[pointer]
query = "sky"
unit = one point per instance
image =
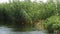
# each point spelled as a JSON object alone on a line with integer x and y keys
{"x": 4, "y": 1}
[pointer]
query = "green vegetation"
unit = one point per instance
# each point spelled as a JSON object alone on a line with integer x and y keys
{"x": 53, "y": 24}
{"x": 22, "y": 14}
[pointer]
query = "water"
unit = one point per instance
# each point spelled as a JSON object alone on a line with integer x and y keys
{"x": 6, "y": 30}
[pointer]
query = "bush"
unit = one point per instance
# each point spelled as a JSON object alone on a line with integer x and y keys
{"x": 22, "y": 13}
{"x": 52, "y": 23}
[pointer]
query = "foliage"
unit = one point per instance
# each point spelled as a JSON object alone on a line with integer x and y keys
{"x": 27, "y": 13}
{"x": 53, "y": 23}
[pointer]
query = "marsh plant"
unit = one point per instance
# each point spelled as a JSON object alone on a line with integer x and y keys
{"x": 27, "y": 13}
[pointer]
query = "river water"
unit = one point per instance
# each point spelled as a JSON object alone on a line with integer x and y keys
{"x": 6, "y": 30}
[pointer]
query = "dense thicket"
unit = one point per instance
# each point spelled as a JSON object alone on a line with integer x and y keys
{"x": 27, "y": 13}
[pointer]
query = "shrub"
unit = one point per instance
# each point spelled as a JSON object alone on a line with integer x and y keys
{"x": 52, "y": 23}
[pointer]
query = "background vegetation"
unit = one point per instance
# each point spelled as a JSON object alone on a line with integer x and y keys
{"x": 22, "y": 14}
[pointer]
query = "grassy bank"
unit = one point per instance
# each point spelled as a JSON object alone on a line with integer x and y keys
{"x": 20, "y": 14}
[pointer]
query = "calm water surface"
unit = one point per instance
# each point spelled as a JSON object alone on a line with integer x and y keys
{"x": 5, "y": 30}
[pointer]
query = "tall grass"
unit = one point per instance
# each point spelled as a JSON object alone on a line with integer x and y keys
{"x": 26, "y": 13}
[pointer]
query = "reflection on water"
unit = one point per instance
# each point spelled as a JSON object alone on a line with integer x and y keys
{"x": 5, "y": 30}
